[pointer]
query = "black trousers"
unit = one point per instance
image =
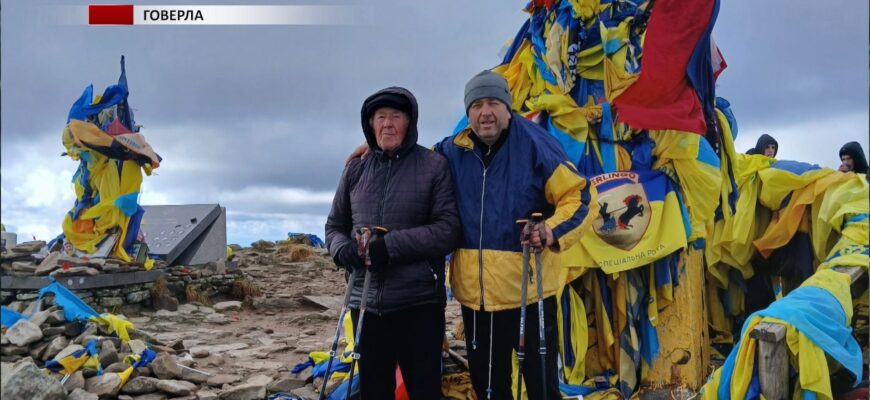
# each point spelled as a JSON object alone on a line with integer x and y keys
{"x": 505, "y": 339}
{"x": 412, "y": 338}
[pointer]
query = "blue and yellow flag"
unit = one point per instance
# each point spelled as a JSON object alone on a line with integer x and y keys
{"x": 639, "y": 221}
{"x": 71, "y": 363}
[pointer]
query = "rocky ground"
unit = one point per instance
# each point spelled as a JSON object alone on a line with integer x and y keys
{"x": 231, "y": 349}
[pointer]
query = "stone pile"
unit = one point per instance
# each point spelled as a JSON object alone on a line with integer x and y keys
{"x": 33, "y": 259}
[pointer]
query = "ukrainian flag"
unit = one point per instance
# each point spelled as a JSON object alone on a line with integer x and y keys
{"x": 71, "y": 363}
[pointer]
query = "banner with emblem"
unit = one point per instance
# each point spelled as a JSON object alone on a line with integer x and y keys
{"x": 640, "y": 220}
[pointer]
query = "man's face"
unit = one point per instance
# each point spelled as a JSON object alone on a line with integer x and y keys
{"x": 848, "y": 164}
{"x": 770, "y": 150}
{"x": 488, "y": 117}
{"x": 390, "y": 126}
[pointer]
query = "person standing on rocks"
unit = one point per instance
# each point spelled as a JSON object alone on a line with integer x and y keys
{"x": 506, "y": 167}
{"x": 408, "y": 190}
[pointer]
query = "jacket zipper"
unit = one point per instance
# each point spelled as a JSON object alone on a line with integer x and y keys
{"x": 380, "y": 292}
{"x": 480, "y": 240}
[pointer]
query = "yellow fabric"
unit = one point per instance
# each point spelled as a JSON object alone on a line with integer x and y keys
{"x": 590, "y": 63}
{"x": 750, "y": 219}
{"x": 716, "y": 249}
{"x": 616, "y": 79}
{"x": 116, "y": 325}
{"x": 566, "y": 114}
{"x": 457, "y": 386}
{"x": 604, "y": 337}
{"x": 576, "y": 374}
{"x": 839, "y": 202}
{"x": 585, "y": 9}
{"x": 347, "y": 325}
{"x": 838, "y": 284}
{"x": 92, "y": 362}
{"x": 783, "y": 228}
{"x": 677, "y": 151}
{"x": 523, "y": 77}
{"x": 72, "y": 364}
{"x": 125, "y": 375}
{"x": 562, "y": 190}
{"x": 515, "y": 378}
{"x": 502, "y": 278}
{"x": 106, "y": 181}
{"x": 851, "y": 249}
{"x": 664, "y": 234}
{"x": 778, "y": 183}
{"x": 719, "y": 323}
{"x": 808, "y": 359}
{"x": 556, "y": 45}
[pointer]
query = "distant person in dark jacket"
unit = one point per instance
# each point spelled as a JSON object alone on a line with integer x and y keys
{"x": 852, "y": 158}
{"x": 407, "y": 189}
{"x": 766, "y": 146}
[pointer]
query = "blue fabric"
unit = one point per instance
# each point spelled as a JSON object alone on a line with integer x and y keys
{"x": 646, "y": 332}
{"x": 337, "y": 366}
{"x": 515, "y": 45}
{"x": 90, "y": 350}
{"x": 795, "y": 167}
{"x": 9, "y": 317}
{"x": 340, "y": 392}
{"x": 302, "y": 366}
{"x": 725, "y": 107}
{"x": 73, "y": 307}
{"x": 145, "y": 358}
{"x": 133, "y": 229}
{"x": 706, "y": 154}
{"x": 536, "y": 37}
{"x": 573, "y": 147}
{"x": 315, "y": 241}
{"x": 608, "y": 153}
{"x": 128, "y": 203}
{"x": 687, "y": 222}
{"x": 700, "y": 68}
{"x": 575, "y": 390}
{"x": 816, "y": 314}
{"x": 84, "y": 107}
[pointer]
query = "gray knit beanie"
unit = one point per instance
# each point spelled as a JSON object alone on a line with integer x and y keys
{"x": 487, "y": 84}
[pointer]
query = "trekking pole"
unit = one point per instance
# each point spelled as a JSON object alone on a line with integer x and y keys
{"x": 537, "y": 218}
{"x": 347, "y": 292}
{"x": 378, "y": 231}
{"x": 521, "y": 354}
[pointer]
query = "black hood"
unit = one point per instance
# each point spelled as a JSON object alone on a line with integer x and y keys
{"x": 854, "y": 150}
{"x": 396, "y": 97}
{"x": 763, "y": 141}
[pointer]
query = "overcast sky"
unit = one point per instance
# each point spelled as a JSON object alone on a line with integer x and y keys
{"x": 260, "y": 119}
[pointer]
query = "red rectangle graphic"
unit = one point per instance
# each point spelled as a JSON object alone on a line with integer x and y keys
{"x": 110, "y": 14}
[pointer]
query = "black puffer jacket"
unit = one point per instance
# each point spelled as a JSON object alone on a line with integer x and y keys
{"x": 410, "y": 194}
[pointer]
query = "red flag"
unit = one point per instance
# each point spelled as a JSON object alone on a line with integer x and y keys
{"x": 662, "y": 97}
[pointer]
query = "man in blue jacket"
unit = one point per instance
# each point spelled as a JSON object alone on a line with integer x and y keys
{"x": 504, "y": 168}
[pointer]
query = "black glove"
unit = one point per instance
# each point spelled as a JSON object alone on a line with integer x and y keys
{"x": 378, "y": 252}
{"x": 348, "y": 258}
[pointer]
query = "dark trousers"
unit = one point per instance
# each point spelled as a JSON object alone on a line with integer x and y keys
{"x": 505, "y": 339}
{"x": 412, "y": 338}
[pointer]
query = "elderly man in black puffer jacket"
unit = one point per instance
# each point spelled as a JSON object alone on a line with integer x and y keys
{"x": 407, "y": 189}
